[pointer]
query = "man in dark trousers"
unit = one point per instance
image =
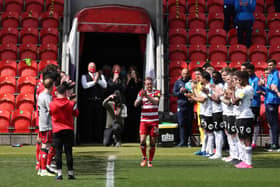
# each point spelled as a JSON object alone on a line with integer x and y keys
{"x": 184, "y": 109}
{"x": 93, "y": 84}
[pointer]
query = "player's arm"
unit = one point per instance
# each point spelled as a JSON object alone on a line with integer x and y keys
{"x": 199, "y": 97}
{"x": 138, "y": 100}
{"x": 235, "y": 99}
{"x": 154, "y": 100}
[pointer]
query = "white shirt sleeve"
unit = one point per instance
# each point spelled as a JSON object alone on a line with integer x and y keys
{"x": 86, "y": 84}
{"x": 102, "y": 82}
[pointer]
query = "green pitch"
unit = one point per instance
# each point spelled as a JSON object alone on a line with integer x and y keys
{"x": 172, "y": 167}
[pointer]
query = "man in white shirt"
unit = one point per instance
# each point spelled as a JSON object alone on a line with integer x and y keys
{"x": 93, "y": 84}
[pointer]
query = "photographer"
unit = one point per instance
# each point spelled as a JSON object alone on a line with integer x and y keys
{"x": 184, "y": 108}
{"x": 116, "y": 112}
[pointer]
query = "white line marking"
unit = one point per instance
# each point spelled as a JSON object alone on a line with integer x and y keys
{"x": 110, "y": 178}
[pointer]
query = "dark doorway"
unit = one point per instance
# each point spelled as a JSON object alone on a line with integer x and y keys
{"x": 109, "y": 49}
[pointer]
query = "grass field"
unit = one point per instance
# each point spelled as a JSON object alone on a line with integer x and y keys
{"x": 172, "y": 167}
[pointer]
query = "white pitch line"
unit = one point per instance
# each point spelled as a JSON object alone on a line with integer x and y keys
{"x": 110, "y": 178}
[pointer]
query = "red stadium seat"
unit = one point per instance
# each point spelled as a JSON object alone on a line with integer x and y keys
{"x": 7, "y": 84}
{"x": 236, "y": 64}
{"x": 232, "y": 36}
{"x": 195, "y": 64}
{"x": 28, "y": 51}
{"x": 26, "y": 84}
{"x": 34, "y": 5}
{"x": 278, "y": 65}
{"x": 50, "y": 20}
{"x": 177, "y": 21}
{"x": 7, "y": 102}
{"x": 258, "y": 37}
{"x": 49, "y": 35}
{"x": 257, "y": 53}
{"x": 177, "y": 52}
{"x": 177, "y": 36}
{"x": 274, "y": 52}
{"x": 5, "y": 117}
{"x": 270, "y": 6}
{"x": 259, "y": 67}
{"x": 21, "y": 121}
{"x": 216, "y": 20}
{"x": 175, "y": 68}
{"x": 173, "y": 104}
{"x": 177, "y": 5}
{"x": 198, "y": 53}
{"x": 238, "y": 52}
{"x": 215, "y": 6}
{"x": 9, "y": 35}
{"x": 273, "y": 20}
{"x": 259, "y": 21}
{"x": 30, "y": 19}
{"x": 197, "y": 36}
{"x": 10, "y": 19}
{"x": 8, "y": 68}
{"x": 197, "y": 20}
{"x": 259, "y": 6}
{"x": 25, "y": 69}
{"x": 14, "y": 5}
{"x": 191, "y": 4}
{"x": 48, "y": 52}
{"x": 274, "y": 37}
{"x": 217, "y": 53}
{"x": 217, "y": 37}
{"x": 218, "y": 65}
{"x": 56, "y": 6}
{"x": 44, "y": 63}
{"x": 25, "y": 101}
{"x": 29, "y": 35}
{"x": 8, "y": 51}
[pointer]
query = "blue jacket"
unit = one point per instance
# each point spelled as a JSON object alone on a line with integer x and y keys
{"x": 244, "y": 10}
{"x": 182, "y": 101}
{"x": 270, "y": 96}
{"x": 228, "y": 2}
{"x": 253, "y": 81}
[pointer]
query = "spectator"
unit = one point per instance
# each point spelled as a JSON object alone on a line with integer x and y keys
{"x": 184, "y": 108}
{"x": 115, "y": 82}
{"x": 116, "y": 112}
{"x": 244, "y": 20}
{"x": 272, "y": 101}
{"x": 93, "y": 84}
{"x": 229, "y": 14}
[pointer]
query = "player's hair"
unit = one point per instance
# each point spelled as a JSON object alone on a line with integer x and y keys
{"x": 206, "y": 76}
{"x": 233, "y": 70}
{"x": 272, "y": 60}
{"x": 226, "y": 69}
{"x": 245, "y": 64}
{"x": 219, "y": 78}
{"x": 149, "y": 78}
{"x": 250, "y": 67}
{"x": 243, "y": 75}
{"x": 207, "y": 65}
{"x": 61, "y": 89}
{"x": 199, "y": 69}
{"x": 48, "y": 83}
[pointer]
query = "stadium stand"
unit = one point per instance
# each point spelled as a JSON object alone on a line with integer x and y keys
{"x": 217, "y": 37}
{"x": 34, "y": 5}
{"x": 28, "y": 51}
{"x": 177, "y": 36}
{"x": 7, "y": 102}
{"x": 197, "y": 36}
{"x": 21, "y": 121}
{"x": 9, "y": 35}
{"x": 29, "y": 35}
{"x": 175, "y": 68}
{"x": 8, "y": 68}
{"x": 5, "y": 117}
{"x": 26, "y": 84}
{"x": 7, "y": 84}
{"x": 30, "y": 19}
{"x": 25, "y": 69}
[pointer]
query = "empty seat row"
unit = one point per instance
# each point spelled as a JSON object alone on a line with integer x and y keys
{"x": 32, "y": 5}
{"x": 23, "y": 68}
{"x": 10, "y": 51}
{"x": 18, "y": 121}
{"x": 10, "y": 102}
{"x": 221, "y": 53}
{"x": 216, "y": 20}
{"x": 30, "y": 19}
{"x": 29, "y": 35}
{"x": 24, "y": 84}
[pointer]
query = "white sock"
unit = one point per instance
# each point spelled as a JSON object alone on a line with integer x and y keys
{"x": 71, "y": 172}
{"x": 204, "y": 143}
{"x": 248, "y": 155}
{"x": 59, "y": 172}
{"x": 241, "y": 150}
{"x": 235, "y": 147}
{"x": 219, "y": 141}
{"x": 210, "y": 143}
{"x": 229, "y": 138}
{"x": 256, "y": 133}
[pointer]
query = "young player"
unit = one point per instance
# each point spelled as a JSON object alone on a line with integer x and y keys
{"x": 244, "y": 117}
{"x": 205, "y": 114}
{"x": 62, "y": 111}
{"x": 45, "y": 126}
{"x": 148, "y": 98}
{"x": 217, "y": 88}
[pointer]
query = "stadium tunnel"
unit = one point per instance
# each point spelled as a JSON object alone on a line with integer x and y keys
{"x": 109, "y": 35}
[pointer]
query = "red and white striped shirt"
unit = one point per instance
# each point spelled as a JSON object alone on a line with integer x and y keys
{"x": 149, "y": 111}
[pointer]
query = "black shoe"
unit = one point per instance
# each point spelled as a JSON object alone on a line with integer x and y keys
{"x": 273, "y": 148}
{"x": 59, "y": 178}
{"x": 235, "y": 161}
{"x": 71, "y": 177}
